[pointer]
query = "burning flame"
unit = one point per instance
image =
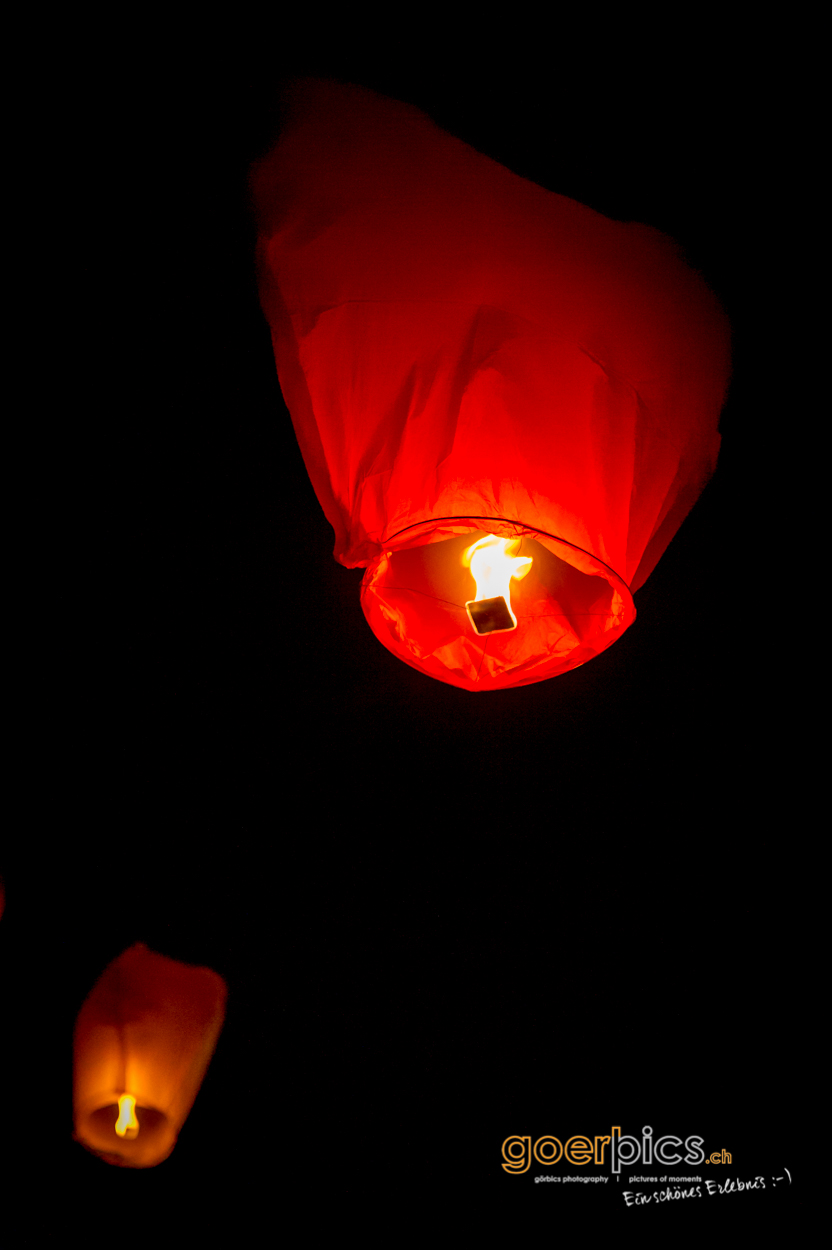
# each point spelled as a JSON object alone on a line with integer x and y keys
{"x": 493, "y": 567}
{"x": 493, "y": 562}
{"x": 127, "y": 1125}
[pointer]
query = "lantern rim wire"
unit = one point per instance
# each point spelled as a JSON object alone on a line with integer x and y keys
{"x": 430, "y": 521}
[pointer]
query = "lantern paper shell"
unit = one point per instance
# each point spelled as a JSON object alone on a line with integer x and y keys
{"x": 148, "y": 1028}
{"x": 464, "y": 353}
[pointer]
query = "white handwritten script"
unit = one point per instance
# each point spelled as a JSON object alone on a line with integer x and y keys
{"x": 677, "y": 1192}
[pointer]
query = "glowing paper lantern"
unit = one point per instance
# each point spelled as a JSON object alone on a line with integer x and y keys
{"x": 143, "y": 1040}
{"x": 468, "y": 357}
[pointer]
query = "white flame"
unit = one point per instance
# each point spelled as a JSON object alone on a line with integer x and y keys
{"x": 127, "y": 1125}
{"x": 493, "y": 568}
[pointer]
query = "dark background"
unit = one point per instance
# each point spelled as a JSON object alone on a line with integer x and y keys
{"x": 443, "y": 918}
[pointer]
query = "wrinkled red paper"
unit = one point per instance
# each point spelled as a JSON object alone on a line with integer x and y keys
{"x": 464, "y": 352}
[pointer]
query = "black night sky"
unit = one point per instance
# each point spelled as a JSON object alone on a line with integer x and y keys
{"x": 443, "y": 918}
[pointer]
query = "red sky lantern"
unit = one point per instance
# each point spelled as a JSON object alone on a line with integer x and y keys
{"x": 506, "y": 402}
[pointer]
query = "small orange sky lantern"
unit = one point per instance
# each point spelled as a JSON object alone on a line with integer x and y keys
{"x": 143, "y": 1040}
{"x": 484, "y": 377}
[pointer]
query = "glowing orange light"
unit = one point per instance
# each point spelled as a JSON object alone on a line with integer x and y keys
{"x": 493, "y": 562}
{"x": 149, "y": 1025}
{"x": 127, "y": 1125}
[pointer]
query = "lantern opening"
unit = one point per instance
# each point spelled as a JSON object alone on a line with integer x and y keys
{"x": 565, "y": 607}
{"x": 100, "y": 1132}
{"x": 493, "y": 564}
{"x": 127, "y": 1125}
